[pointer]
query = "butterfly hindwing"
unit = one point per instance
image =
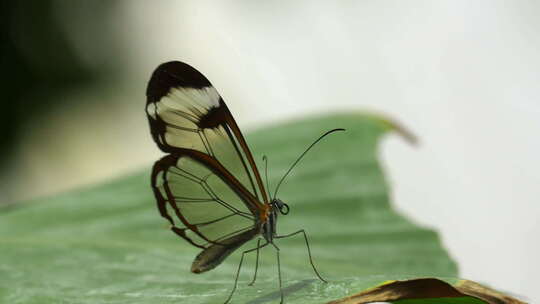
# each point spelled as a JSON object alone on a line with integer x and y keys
{"x": 205, "y": 205}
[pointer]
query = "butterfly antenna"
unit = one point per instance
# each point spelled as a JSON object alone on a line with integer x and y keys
{"x": 265, "y": 159}
{"x": 302, "y": 155}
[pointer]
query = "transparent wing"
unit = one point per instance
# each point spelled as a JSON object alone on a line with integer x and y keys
{"x": 186, "y": 112}
{"x": 199, "y": 193}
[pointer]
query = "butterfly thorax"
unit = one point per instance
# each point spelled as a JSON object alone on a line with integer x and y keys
{"x": 277, "y": 206}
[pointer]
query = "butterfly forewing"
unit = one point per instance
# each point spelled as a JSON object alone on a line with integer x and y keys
{"x": 186, "y": 111}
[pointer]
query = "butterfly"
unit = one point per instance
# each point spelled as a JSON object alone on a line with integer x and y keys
{"x": 208, "y": 185}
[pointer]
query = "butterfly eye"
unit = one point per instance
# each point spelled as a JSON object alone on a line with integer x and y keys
{"x": 284, "y": 209}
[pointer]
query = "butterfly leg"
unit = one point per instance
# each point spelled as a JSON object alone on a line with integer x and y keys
{"x": 256, "y": 263}
{"x": 240, "y": 266}
{"x": 279, "y": 272}
{"x": 308, "y": 249}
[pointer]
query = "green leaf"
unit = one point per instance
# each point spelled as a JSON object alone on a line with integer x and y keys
{"x": 108, "y": 243}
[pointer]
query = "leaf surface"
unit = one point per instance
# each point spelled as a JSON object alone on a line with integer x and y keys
{"x": 107, "y": 243}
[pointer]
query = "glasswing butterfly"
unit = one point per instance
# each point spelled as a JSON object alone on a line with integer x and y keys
{"x": 208, "y": 186}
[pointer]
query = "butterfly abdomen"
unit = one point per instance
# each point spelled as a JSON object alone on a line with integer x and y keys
{"x": 212, "y": 256}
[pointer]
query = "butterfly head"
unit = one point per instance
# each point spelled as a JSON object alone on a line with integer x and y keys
{"x": 279, "y": 205}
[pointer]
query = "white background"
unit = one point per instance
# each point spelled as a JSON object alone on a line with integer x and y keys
{"x": 462, "y": 75}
